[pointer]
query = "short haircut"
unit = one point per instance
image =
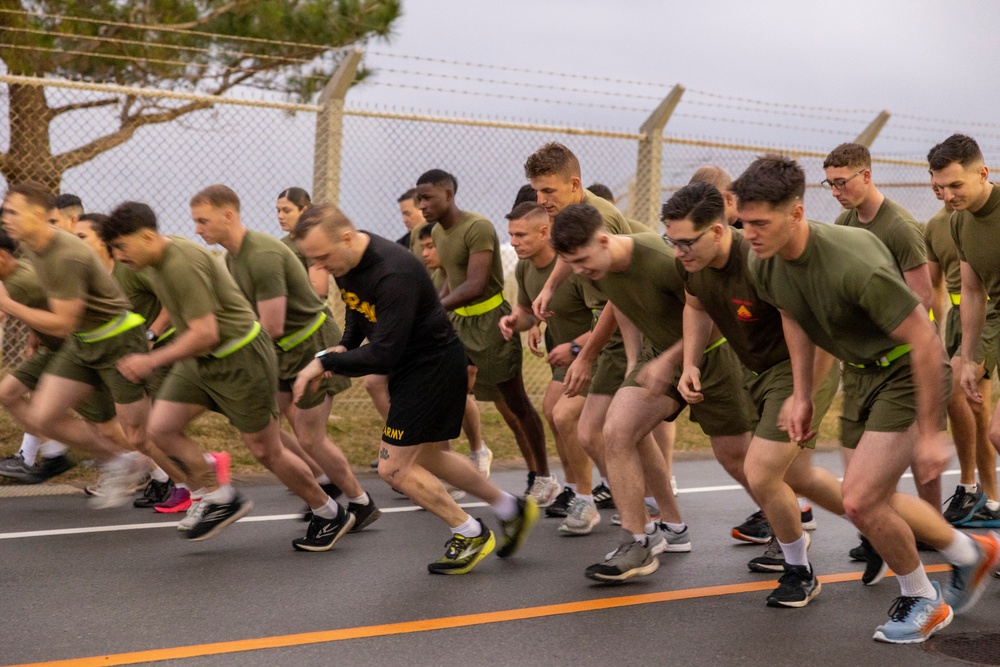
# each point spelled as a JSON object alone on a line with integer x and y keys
{"x": 851, "y": 155}
{"x": 574, "y": 227}
{"x": 701, "y": 203}
{"x": 772, "y": 179}
{"x": 716, "y": 176}
{"x": 7, "y": 243}
{"x": 439, "y": 177}
{"x": 525, "y": 209}
{"x": 97, "y": 221}
{"x": 410, "y": 195}
{"x": 526, "y": 193}
{"x": 219, "y": 196}
{"x": 297, "y": 196}
{"x": 602, "y": 191}
{"x": 330, "y": 219}
{"x": 127, "y": 218}
{"x": 426, "y": 231}
{"x": 958, "y": 148}
{"x": 68, "y": 201}
{"x": 34, "y": 193}
{"x": 552, "y": 158}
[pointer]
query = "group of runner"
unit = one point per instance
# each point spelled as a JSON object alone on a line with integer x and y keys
{"x": 744, "y": 311}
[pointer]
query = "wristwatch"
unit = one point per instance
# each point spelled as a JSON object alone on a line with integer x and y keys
{"x": 575, "y": 349}
{"x": 151, "y": 335}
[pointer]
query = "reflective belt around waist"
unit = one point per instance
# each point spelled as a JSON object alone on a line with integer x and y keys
{"x": 482, "y": 307}
{"x": 956, "y": 299}
{"x": 165, "y": 335}
{"x": 234, "y": 344}
{"x": 715, "y": 344}
{"x": 288, "y": 342}
{"x": 119, "y": 325}
{"x": 891, "y": 356}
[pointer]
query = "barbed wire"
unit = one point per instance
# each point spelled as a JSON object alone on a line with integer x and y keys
{"x": 916, "y": 128}
{"x": 943, "y": 121}
{"x": 780, "y": 126}
{"x": 804, "y": 107}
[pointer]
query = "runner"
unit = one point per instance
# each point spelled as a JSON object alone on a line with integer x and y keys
{"x": 291, "y": 203}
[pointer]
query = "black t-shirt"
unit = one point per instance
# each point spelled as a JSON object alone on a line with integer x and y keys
{"x": 404, "y": 240}
{"x": 391, "y": 301}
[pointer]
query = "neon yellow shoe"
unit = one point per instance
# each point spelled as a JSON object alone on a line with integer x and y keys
{"x": 462, "y": 553}
{"x": 516, "y": 530}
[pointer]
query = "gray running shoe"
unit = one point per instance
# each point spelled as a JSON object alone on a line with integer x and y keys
{"x": 671, "y": 542}
{"x": 117, "y": 483}
{"x": 581, "y": 517}
{"x": 652, "y": 510}
{"x": 773, "y": 559}
{"x": 631, "y": 559}
{"x": 193, "y": 515}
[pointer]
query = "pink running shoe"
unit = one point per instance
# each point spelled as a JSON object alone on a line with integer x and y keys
{"x": 179, "y": 501}
{"x": 222, "y": 460}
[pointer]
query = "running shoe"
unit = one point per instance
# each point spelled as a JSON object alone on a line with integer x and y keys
{"x": 364, "y": 515}
{"x": 560, "y": 506}
{"x": 14, "y": 467}
{"x": 178, "y": 501}
{"x": 52, "y": 466}
{"x": 755, "y": 529}
{"x": 516, "y": 530}
{"x": 962, "y": 505}
{"x": 456, "y": 494}
{"x": 796, "y": 587}
{"x": 331, "y": 490}
{"x": 983, "y": 517}
{"x": 154, "y": 493}
{"x": 322, "y": 533}
{"x": 858, "y": 553}
{"x": 968, "y": 581}
{"x": 630, "y": 559}
{"x": 875, "y": 567}
{"x": 651, "y": 510}
{"x": 773, "y": 559}
{"x": 461, "y": 553}
{"x": 671, "y": 542}
{"x": 192, "y": 516}
{"x": 483, "y": 460}
{"x": 912, "y": 620}
{"x": 808, "y": 521}
{"x": 602, "y": 497}
{"x": 580, "y": 518}
{"x": 213, "y": 517}
{"x": 118, "y": 482}
{"x": 222, "y": 463}
{"x": 545, "y": 490}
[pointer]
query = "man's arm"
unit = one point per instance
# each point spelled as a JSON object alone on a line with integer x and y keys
{"x": 936, "y": 276}
{"x": 320, "y": 281}
{"x": 560, "y": 272}
{"x": 973, "y": 313}
{"x": 519, "y": 320}
{"x": 697, "y": 331}
{"x": 476, "y": 277}
{"x": 802, "y": 352}
{"x": 918, "y": 279}
{"x": 201, "y": 337}
{"x": 61, "y": 320}
{"x": 578, "y": 374}
{"x": 160, "y": 324}
{"x": 271, "y": 313}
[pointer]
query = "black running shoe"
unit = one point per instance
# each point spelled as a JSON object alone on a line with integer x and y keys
{"x": 875, "y": 567}
{"x": 796, "y": 587}
{"x": 155, "y": 492}
{"x": 324, "y": 533}
{"x": 364, "y": 515}
{"x": 211, "y": 517}
{"x": 332, "y": 490}
{"x": 858, "y": 553}
{"x": 755, "y": 529}
{"x": 962, "y": 505}
{"x": 602, "y": 497}
{"x": 560, "y": 505}
{"x": 14, "y": 467}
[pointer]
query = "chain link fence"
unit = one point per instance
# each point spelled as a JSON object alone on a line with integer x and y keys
{"x": 260, "y": 147}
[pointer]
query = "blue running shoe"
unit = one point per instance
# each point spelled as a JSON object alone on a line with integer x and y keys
{"x": 983, "y": 517}
{"x": 963, "y": 504}
{"x": 912, "y": 620}
{"x": 968, "y": 582}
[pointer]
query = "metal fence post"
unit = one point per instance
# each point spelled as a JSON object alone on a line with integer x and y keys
{"x": 645, "y": 205}
{"x": 870, "y": 133}
{"x": 330, "y": 130}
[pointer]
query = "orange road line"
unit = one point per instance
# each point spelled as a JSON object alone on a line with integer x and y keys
{"x": 406, "y": 627}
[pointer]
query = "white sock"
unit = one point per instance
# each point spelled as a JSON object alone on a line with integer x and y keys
{"x": 642, "y": 539}
{"x": 604, "y": 481}
{"x": 962, "y": 550}
{"x": 916, "y": 584}
{"x": 676, "y": 527}
{"x": 970, "y": 488}
{"x": 795, "y": 552}
{"x": 221, "y": 496}
{"x": 649, "y": 528}
{"x": 29, "y": 448}
{"x": 571, "y": 487}
{"x": 360, "y": 500}
{"x": 803, "y": 506}
{"x": 651, "y": 501}
{"x": 587, "y": 499}
{"x": 181, "y": 485}
{"x": 469, "y": 528}
{"x": 993, "y": 505}
{"x": 329, "y": 510}
{"x": 158, "y": 474}
{"x": 505, "y": 508}
{"x": 323, "y": 479}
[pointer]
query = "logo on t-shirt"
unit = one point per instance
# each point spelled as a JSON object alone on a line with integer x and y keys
{"x": 352, "y": 301}
{"x": 743, "y": 313}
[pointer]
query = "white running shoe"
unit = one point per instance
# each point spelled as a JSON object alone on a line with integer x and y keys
{"x": 483, "y": 459}
{"x": 545, "y": 490}
{"x": 581, "y": 517}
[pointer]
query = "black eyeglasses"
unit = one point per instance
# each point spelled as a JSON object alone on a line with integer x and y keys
{"x": 839, "y": 183}
{"x": 684, "y": 245}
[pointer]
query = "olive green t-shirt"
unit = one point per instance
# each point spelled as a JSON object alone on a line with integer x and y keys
{"x": 977, "y": 236}
{"x": 294, "y": 247}
{"x": 845, "y": 291}
{"x": 68, "y": 270}
{"x": 472, "y": 234}
{"x": 438, "y": 277}
{"x": 751, "y": 325}
{"x": 571, "y": 315}
{"x": 191, "y": 282}
{"x": 24, "y": 287}
{"x": 612, "y": 217}
{"x": 138, "y": 290}
{"x": 941, "y": 249}
{"x": 897, "y": 229}
{"x": 649, "y": 291}
{"x": 264, "y": 268}
{"x": 415, "y": 240}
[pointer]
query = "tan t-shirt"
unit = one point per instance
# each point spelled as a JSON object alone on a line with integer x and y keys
{"x": 897, "y": 229}
{"x": 68, "y": 270}
{"x": 472, "y": 234}
{"x": 977, "y": 236}
{"x": 941, "y": 249}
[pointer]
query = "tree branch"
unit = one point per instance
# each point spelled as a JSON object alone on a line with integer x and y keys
{"x": 207, "y": 18}
{"x": 66, "y": 108}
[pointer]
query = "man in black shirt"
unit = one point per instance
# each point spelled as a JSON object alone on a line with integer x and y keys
{"x": 391, "y": 301}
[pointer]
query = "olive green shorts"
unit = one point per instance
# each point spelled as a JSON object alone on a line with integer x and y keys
{"x": 294, "y": 360}
{"x": 769, "y": 391}
{"x": 496, "y": 360}
{"x": 94, "y": 363}
{"x": 242, "y": 386}
{"x": 987, "y": 350}
{"x": 727, "y": 408}
{"x": 609, "y": 372}
{"x": 884, "y": 398}
{"x": 96, "y": 408}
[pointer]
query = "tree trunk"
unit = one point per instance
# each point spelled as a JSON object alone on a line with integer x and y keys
{"x": 29, "y": 157}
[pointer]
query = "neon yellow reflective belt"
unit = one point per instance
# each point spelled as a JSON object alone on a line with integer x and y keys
{"x": 482, "y": 307}
{"x": 891, "y": 356}
{"x": 235, "y": 344}
{"x": 715, "y": 344}
{"x": 288, "y": 342}
{"x": 956, "y": 299}
{"x": 166, "y": 334}
{"x": 119, "y": 325}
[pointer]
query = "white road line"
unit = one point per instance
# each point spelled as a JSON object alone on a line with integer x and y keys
{"x": 287, "y": 517}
